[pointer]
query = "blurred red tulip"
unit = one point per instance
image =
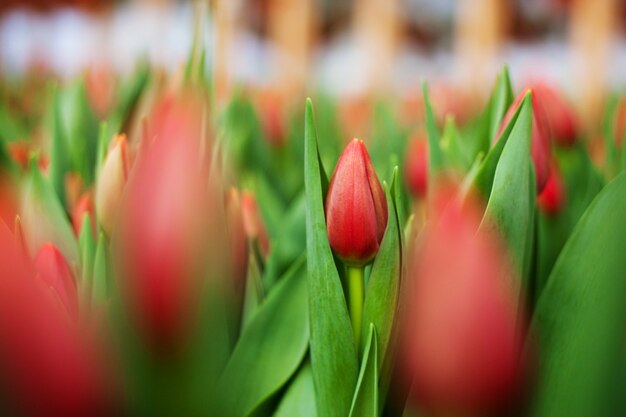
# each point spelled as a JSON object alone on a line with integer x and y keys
{"x": 273, "y": 119}
{"x": 111, "y": 182}
{"x": 53, "y": 270}
{"x": 163, "y": 232}
{"x": 83, "y": 207}
{"x": 356, "y": 207}
{"x": 49, "y": 365}
{"x": 253, "y": 223}
{"x": 238, "y": 240}
{"x": 416, "y": 166}
{"x": 619, "y": 128}
{"x": 540, "y": 142}
{"x": 560, "y": 115}
{"x": 100, "y": 88}
{"x": 462, "y": 341}
{"x": 551, "y": 199}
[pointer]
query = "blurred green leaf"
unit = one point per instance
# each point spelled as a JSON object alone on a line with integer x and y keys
{"x": 253, "y": 293}
{"x": 59, "y": 163}
{"x": 581, "y": 315}
{"x": 44, "y": 219}
{"x": 365, "y": 401}
{"x": 382, "y": 292}
{"x": 511, "y": 201}
{"x": 502, "y": 98}
{"x": 333, "y": 351}
{"x": 435, "y": 155}
{"x": 270, "y": 348}
{"x": 100, "y": 285}
{"x": 299, "y": 400}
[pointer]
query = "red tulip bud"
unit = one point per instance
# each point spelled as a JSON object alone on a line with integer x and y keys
{"x": 462, "y": 338}
{"x": 163, "y": 240}
{"x": 252, "y": 222}
{"x": 356, "y": 207}
{"x": 111, "y": 182}
{"x": 49, "y": 365}
{"x": 416, "y": 167}
{"x": 559, "y": 113}
{"x": 83, "y": 206}
{"x": 54, "y": 271}
{"x": 552, "y": 197}
{"x": 540, "y": 141}
{"x": 238, "y": 240}
{"x": 619, "y": 128}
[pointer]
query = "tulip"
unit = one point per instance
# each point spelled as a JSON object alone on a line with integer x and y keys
{"x": 540, "y": 141}
{"x": 53, "y": 270}
{"x": 416, "y": 167}
{"x": 356, "y": 208}
{"x": 462, "y": 343}
{"x": 272, "y": 119}
{"x": 83, "y": 207}
{"x": 619, "y": 127}
{"x": 252, "y": 222}
{"x": 238, "y": 240}
{"x": 111, "y": 182}
{"x": 551, "y": 199}
{"x": 162, "y": 241}
{"x": 49, "y": 364}
{"x": 356, "y": 218}
{"x": 560, "y": 115}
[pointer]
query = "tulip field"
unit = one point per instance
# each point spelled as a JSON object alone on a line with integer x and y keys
{"x": 166, "y": 250}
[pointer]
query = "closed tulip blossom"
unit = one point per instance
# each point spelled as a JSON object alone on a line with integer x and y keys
{"x": 540, "y": 139}
{"x": 356, "y": 218}
{"x": 111, "y": 182}
{"x": 356, "y": 207}
{"x": 83, "y": 207}
{"x": 462, "y": 342}
{"x": 551, "y": 199}
{"x": 53, "y": 270}
{"x": 50, "y": 364}
{"x": 162, "y": 228}
{"x": 560, "y": 115}
{"x": 416, "y": 167}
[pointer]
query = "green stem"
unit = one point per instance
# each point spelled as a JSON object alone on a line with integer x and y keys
{"x": 355, "y": 300}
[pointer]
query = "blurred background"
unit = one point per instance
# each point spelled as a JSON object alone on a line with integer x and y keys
{"x": 347, "y": 48}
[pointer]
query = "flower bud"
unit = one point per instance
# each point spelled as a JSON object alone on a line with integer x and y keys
{"x": 162, "y": 231}
{"x": 551, "y": 199}
{"x": 49, "y": 364}
{"x": 560, "y": 115}
{"x": 619, "y": 127}
{"x": 416, "y": 167}
{"x": 111, "y": 181}
{"x": 462, "y": 342}
{"x": 53, "y": 270}
{"x": 540, "y": 140}
{"x": 238, "y": 240}
{"x": 83, "y": 207}
{"x": 252, "y": 222}
{"x": 356, "y": 207}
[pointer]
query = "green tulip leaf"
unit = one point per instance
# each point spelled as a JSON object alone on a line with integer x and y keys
{"x": 270, "y": 348}
{"x": 580, "y": 317}
{"x": 44, "y": 219}
{"x": 383, "y": 288}
{"x": 435, "y": 154}
{"x": 253, "y": 293}
{"x": 502, "y": 99}
{"x": 365, "y": 401}
{"x": 299, "y": 400}
{"x": 333, "y": 351}
{"x": 510, "y": 205}
{"x": 100, "y": 283}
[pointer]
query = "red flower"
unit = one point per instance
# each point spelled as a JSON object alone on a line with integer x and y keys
{"x": 540, "y": 141}
{"x": 462, "y": 335}
{"x": 163, "y": 225}
{"x": 551, "y": 199}
{"x": 49, "y": 364}
{"x": 416, "y": 166}
{"x": 53, "y": 270}
{"x": 356, "y": 208}
{"x": 560, "y": 115}
{"x": 83, "y": 207}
